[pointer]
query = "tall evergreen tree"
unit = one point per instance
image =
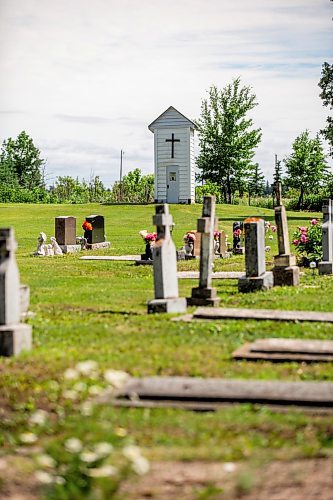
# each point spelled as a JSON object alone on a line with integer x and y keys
{"x": 227, "y": 137}
{"x": 256, "y": 184}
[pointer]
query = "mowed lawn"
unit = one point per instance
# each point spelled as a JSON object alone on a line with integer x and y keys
{"x": 97, "y": 311}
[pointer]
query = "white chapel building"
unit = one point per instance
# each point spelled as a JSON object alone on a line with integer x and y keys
{"x": 173, "y": 157}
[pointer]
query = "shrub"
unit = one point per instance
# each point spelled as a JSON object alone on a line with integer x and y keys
{"x": 308, "y": 243}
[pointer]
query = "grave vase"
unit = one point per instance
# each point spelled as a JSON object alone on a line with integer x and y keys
{"x": 88, "y": 236}
{"x": 149, "y": 253}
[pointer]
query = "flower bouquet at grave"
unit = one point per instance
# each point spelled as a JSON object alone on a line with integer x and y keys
{"x": 189, "y": 239}
{"x": 236, "y": 242}
{"x": 87, "y": 228}
{"x": 308, "y": 243}
{"x": 269, "y": 228}
{"x": 149, "y": 239}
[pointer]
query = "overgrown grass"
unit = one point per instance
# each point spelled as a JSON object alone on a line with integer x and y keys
{"x": 97, "y": 310}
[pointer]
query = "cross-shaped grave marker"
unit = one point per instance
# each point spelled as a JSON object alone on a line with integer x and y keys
{"x": 205, "y": 294}
{"x": 165, "y": 266}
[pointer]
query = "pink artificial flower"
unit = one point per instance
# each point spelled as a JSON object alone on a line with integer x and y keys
{"x": 217, "y": 234}
{"x": 314, "y": 222}
{"x": 296, "y": 242}
{"x": 304, "y": 238}
{"x": 237, "y": 232}
{"x": 273, "y": 228}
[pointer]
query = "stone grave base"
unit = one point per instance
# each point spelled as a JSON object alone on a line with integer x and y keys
{"x": 203, "y": 297}
{"x": 286, "y": 276}
{"x": 212, "y": 393}
{"x": 15, "y": 338}
{"x": 176, "y": 305}
{"x": 325, "y": 267}
{"x": 24, "y": 298}
{"x": 70, "y": 248}
{"x": 238, "y": 251}
{"x": 276, "y": 349}
{"x": 264, "y": 282}
{"x": 98, "y": 246}
{"x": 142, "y": 262}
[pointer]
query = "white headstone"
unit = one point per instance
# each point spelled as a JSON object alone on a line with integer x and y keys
{"x": 326, "y": 266}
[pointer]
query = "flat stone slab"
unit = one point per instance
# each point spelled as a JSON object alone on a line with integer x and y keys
{"x": 261, "y": 314}
{"x": 220, "y": 275}
{"x": 212, "y": 392}
{"x": 286, "y": 350}
{"x": 111, "y": 257}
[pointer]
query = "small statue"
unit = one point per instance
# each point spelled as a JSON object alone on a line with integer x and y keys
{"x": 41, "y": 245}
{"x": 56, "y": 248}
{"x": 49, "y": 250}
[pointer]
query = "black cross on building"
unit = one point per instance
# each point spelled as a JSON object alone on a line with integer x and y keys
{"x": 172, "y": 140}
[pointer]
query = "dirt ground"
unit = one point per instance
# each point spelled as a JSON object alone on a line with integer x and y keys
{"x": 294, "y": 480}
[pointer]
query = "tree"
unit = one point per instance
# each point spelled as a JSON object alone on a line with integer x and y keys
{"x": 134, "y": 188}
{"x": 226, "y": 137}
{"x": 21, "y": 159}
{"x": 306, "y": 167}
{"x": 326, "y": 85}
{"x": 256, "y": 184}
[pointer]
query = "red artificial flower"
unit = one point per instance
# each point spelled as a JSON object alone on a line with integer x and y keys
{"x": 238, "y": 232}
{"x": 190, "y": 236}
{"x": 314, "y": 222}
{"x": 217, "y": 234}
{"x": 151, "y": 237}
{"x": 86, "y": 226}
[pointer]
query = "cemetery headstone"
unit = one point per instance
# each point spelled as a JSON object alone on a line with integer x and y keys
{"x": 256, "y": 278}
{"x": 237, "y": 240}
{"x": 285, "y": 271}
{"x": 14, "y": 336}
{"x": 326, "y": 265}
{"x": 205, "y": 294}
{"x": 165, "y": 267}
{"x": 65, "y": 234}
{"x": 96, "y": 236}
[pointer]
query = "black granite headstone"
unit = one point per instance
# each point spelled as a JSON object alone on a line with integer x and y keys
{"x": 97, "y": 235}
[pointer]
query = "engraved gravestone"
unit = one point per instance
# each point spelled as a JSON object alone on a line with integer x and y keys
{"x": 205, "y": 294}
{"x": 14, "y": 336}
{"x": 165, "y": 267}
{"x": 96, "y": 236}
{"x": 65, "y": 233}
{"x": 326, "y": 265}
{"x": 256, "y": 278}
{"x": 285, "y": 271}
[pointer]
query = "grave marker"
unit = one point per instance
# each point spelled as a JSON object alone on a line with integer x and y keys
{"x": 96, "y": 237}
{"x": 205, "y": 294}
{"x": 285, "y": 271}
{"x": 256, "y": 278}
{"x": 65, "y": 233}
{"x": 14, "y": 336}
{"x": 326, "y": 265}
{"x": 165, "y": 267}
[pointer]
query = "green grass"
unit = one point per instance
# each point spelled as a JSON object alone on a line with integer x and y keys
{"x": 97, "y": 310}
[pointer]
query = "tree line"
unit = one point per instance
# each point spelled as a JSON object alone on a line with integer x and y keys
{"x": 227, "y": 139}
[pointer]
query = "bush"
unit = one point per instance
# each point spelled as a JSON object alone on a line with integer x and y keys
{"x": 308, "y": 243}
{"x": 311, "y": 202}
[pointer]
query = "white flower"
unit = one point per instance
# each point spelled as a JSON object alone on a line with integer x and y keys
{"x": 95, "y": 390}
{"x": 38, "y": 418}
{"x": 140, "y": 465}
{"x": 267, "y": 248}
{"x": 71, "y": 374}
{"x": 80, "y": 387}
{"x": 70, "y": 394}
{"x": 28, "y": 438}
{"x": 87, "y": 408}
{"x": 60, "y": 480}
{"x": 270, "y": 237}
{"x": 229, "y": 467}
{"x": 73, "y": 445}
{"x": 104, "y": 471}
{"x": 116, "y": 378}
{"x": 87, "y": 367}
{"x": 89, "y": 456}
{"x": 132, "y": 452}
{"x": 46, "y": 461}
{"x": 44, "y": 477}
{"x": 103, "y": 449}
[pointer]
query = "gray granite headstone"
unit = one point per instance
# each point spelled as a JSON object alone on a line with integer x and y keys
{"x": 256, "y": 278}
{"x": 285, "y": 270}
{"x": 14, "y": 337}
{"x": 165, "y": 267}
{"x": 326, "y": 266}
{"x": 205, "y": 294}
{"x": 65, "y": 233}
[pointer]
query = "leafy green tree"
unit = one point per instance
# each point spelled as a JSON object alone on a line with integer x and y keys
{"x": 326, "y": 85}
{"x": 20, "y": 158}
{"x": 227, "y": 138}
{"x": 306, "y": 167}
{"x": 134, "y": 188}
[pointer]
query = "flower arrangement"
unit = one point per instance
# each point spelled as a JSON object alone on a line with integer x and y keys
{"x": 86, "y": 226}
{"x": 148, "y": 237}
{"x": 190, "y": 237}
{"x": 237, "y": 233}
{"x": 308, "y": 243}
{"x": 217, "y": 235}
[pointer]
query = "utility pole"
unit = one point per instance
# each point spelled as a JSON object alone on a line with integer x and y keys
{"x": 121, "y": 176}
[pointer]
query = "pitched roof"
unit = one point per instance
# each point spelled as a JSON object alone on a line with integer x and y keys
{"x": 171, "y": 117}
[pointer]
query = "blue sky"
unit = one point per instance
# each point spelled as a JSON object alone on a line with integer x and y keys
{"x": 85, "y": 78}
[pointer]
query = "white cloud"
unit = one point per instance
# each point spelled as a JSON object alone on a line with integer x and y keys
{"x": 85, "y": 79}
